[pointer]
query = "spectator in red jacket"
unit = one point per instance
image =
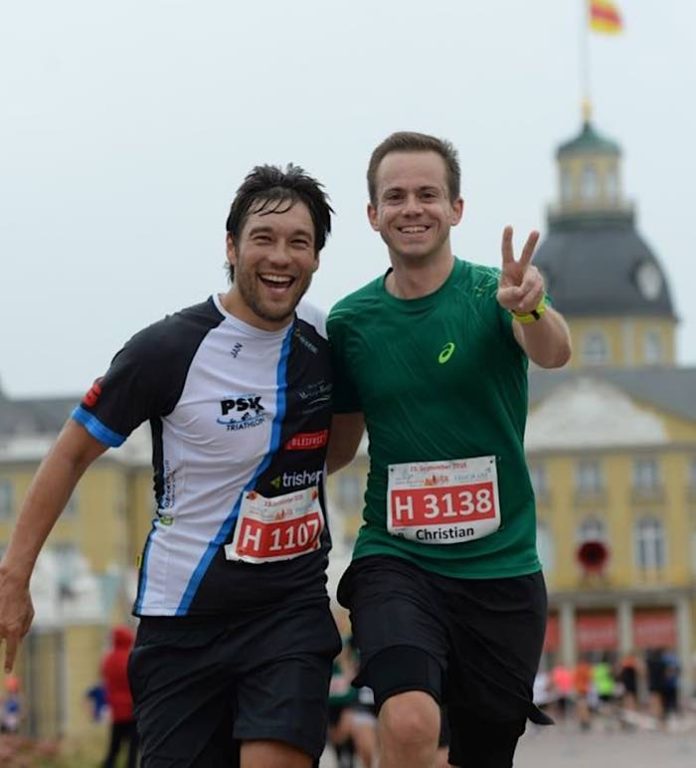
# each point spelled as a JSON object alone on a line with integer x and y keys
{"x": 114, "y": 672}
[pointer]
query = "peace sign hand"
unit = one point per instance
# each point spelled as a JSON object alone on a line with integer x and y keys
{"x": 521, "y": 286}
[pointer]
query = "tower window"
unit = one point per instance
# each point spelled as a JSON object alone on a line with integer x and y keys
{"x": 589, "y": 183}
{"x": 611, "y": 186}
{"x": 566, "y": 186}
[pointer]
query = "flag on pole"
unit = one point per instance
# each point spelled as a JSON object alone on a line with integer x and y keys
{"x": 605, "y": 17}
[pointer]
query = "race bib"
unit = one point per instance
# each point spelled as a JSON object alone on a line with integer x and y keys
{"x": 274, "y": 529}
{"x": 443, "y": 502}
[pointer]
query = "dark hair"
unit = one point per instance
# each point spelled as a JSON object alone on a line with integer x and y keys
{"x": 408, "y": 141}
{"x": 270, "y": 189}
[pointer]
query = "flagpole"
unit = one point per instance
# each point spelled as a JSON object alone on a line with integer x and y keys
{"x": 586, "y": 104}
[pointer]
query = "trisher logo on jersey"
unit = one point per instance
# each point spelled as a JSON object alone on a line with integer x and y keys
{"x": 303, "y": 479}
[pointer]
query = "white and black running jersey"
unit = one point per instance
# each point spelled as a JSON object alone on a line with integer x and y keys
{"x": 235, "y": 411}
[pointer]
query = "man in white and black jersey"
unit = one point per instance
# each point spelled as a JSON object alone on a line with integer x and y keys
{"x": 233, "y": 655}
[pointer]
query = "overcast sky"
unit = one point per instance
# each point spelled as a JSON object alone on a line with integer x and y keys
{"x": 125, "y": 129}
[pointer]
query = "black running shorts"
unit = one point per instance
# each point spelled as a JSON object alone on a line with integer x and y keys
{"x": 201, "y": 687}
{"x": 474, "y": 644}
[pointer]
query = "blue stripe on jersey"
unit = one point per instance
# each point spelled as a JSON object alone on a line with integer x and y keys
{"x": 95, "y": 428}
{"x": 226, "y": 529}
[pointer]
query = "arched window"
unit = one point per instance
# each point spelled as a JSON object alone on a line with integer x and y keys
{"x": 650, "y": 544}
{"x": 566, "y": 186}
{"x": 595, "y": 348}
{"x": 589, "y": 183}
{"x": 611, "y": 186}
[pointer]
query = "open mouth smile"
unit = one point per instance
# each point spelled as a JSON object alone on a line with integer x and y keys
{"x": 276, "y": 282}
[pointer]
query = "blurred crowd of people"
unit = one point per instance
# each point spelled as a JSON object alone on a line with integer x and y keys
{"x": 634, "y": 689}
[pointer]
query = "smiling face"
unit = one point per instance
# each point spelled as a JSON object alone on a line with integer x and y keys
{"x": 413, "y": 211}
{"x": 274, "y": 259}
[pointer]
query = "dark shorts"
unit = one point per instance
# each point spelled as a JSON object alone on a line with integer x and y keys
{"x": 200, "y": 689}
{"x": 474, "y": 645}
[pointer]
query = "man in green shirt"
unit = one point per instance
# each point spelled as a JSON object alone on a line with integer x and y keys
{"x": 446, "y": 595}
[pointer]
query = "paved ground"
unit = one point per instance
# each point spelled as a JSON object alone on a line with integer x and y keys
{"x": 558, "y": 747}
{"x": 561, "y": 746}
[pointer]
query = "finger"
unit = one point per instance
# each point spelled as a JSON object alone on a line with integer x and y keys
{"x": 506, "y": 246}
{"x": 509, "y": 298}
{"x": 528, "y": 250}
{"x": 532, "y": 279}
{"x": 531, "y": 300}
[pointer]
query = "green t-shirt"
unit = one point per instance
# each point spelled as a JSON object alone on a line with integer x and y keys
{"x": 439, "y": 378}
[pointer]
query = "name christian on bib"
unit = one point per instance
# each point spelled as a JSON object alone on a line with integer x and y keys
{"x": 443, "y": 502}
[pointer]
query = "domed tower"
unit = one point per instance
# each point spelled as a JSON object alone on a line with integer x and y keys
{"x": 599, "y": 272}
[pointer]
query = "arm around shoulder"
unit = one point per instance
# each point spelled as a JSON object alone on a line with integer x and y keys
{"x": 346, "y": 433}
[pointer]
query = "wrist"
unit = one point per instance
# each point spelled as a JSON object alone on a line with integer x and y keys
{"x": 14, "y": 574}
{"x": 527, "y": 318}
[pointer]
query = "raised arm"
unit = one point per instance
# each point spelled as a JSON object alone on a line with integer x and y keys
{"x": 346, "y": 433}
{"x": 49, "y": 492}
{"x": 539, "y": 329}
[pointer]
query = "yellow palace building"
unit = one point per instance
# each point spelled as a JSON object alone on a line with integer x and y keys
{"x": 611, "y": 440}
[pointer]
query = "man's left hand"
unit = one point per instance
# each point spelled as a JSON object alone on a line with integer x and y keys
{"x": 521, "y": 286}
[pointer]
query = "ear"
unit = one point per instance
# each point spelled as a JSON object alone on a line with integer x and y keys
{"x": 231, "y": 250}
{"x": 457, "y": 211}
{"x": 315, "y": 267}
{"x": 372, "y": 217}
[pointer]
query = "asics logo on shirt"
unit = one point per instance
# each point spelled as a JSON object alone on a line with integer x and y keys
{"x": 447, "y": 352}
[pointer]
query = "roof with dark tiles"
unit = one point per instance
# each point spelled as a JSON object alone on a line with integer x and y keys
{"x": 590, "y": 270}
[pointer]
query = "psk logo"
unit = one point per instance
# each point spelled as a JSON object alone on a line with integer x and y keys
{"x": 447, "y": 352}
{"x": 241, "y": 412}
